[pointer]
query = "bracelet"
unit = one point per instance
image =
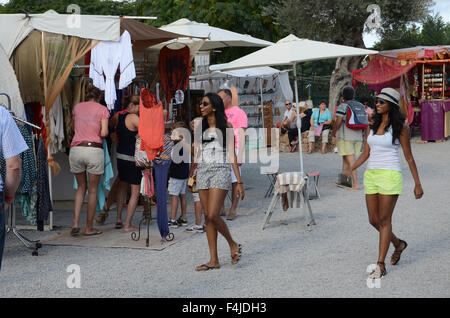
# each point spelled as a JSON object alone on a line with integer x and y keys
{"x": 240, "y": 183}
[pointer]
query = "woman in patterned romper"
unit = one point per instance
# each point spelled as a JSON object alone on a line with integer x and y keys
{"x": 214, "y": 174}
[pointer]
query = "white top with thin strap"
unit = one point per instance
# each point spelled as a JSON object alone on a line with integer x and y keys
{"x": 383, "y": 154}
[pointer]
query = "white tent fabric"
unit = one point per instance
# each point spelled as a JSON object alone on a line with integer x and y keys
{"x": 9, "y": 85}
{"x": 95, "y": 27}
{"x": 292, "y": 50}
{"x": 217, "y": 38}
{"x": 248, "y": 72}
{"x": 14, "y": 28}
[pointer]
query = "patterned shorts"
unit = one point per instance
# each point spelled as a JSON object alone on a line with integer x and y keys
{"x": 214, "y": 176}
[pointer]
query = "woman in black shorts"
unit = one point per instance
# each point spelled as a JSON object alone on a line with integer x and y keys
{"x": 129, "y": 174}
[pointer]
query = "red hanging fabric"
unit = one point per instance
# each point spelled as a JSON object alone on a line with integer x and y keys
{"x": 174, "y": 70}
{"x": 382, "y": 69}
{"x": 151, "y": 124}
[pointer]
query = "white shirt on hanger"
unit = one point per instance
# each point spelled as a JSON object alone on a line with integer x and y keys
{"x": 106, "y": 57}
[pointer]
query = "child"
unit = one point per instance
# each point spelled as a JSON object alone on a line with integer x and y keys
{"x": 178, "y": 174}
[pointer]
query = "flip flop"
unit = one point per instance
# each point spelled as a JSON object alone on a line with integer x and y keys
{"x": 205, "y": 267}
{"x": 118, "y": 226}
{"x": 236, "y": 257}
{"x": 75, "y": 231}
{"x": 231, "y": 217}
{"x": 93, "y": 234}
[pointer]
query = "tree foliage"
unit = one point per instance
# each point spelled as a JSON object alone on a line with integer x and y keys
{"x": 342, "y": 22}
{"x": 99, "y": 7}
{"x": 433, "y": 31}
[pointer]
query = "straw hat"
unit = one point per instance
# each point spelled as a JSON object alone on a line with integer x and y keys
{"x": 390, "y": 94}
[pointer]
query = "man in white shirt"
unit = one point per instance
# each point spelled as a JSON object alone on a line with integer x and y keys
{"x": 11, "y": 145}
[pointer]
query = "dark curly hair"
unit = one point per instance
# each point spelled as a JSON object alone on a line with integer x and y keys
{"x": 396, "y": 120}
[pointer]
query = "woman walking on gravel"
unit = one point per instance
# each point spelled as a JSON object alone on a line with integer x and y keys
{"x": 383, "y": 181}
{"x": 214, "y": 174}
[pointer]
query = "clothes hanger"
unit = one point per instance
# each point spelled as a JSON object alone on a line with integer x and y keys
{"x": 13, "y": 115}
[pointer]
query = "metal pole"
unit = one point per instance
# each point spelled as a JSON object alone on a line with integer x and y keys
{"x": 299, "y": 122}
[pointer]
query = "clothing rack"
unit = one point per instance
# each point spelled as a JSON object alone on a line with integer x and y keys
{"x": 11, "y": 227}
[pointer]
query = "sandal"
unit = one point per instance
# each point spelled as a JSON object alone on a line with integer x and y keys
{"x": 205, "y": 267}
{"x": 397, "y": 254}
{"x": 118, "y": 226}
{"x": 97, "y": 232}
{"x": 236, "y": 257}
{"x": 75, "y": 231}
{"x": 101, "y": 218}
{"x": 378, "y": 272}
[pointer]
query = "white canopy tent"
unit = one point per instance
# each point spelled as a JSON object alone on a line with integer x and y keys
{"x": 15, "y": 27}
{"x": 217, "y": 38}
{"x": 290, "y": 51}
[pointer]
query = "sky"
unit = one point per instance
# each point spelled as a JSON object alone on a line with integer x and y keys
{"x": 441, "y": 6}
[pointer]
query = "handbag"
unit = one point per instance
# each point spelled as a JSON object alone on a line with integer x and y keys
{"x": 318, "y": 129}
{"x": 192, "y": 183}
{"x": 140, "y": 156}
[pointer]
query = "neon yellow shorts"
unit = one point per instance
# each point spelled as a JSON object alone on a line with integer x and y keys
{"x": 347, "y": 147}
{"x": 388, "y": 182}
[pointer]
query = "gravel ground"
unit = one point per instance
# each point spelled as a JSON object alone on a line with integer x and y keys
{"x": 284, "y": 260}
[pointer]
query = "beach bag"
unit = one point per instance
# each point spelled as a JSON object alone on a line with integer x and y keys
{"x": 356, "y": 116}
{"x": 140, "y": 156}
{"x": 318, "y": 131}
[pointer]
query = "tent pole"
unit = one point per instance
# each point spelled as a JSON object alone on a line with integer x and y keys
{"x": 299, "y": 122}
{"x": 262, "y": 100}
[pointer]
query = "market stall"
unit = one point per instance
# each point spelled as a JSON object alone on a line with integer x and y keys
{"x": 256, "y": 87}
{"x": 422, "y": 76}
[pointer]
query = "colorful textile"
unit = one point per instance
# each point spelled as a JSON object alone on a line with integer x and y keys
{"x": 151, "y": 124}
{"x": 432, "y": 119}
{"x": 147, "y": 185}
{"x": 88, "y": 118}
{"x": 44, "y": 204}
{"x": 382, "y": 69}
{"x": 174, "y": 70}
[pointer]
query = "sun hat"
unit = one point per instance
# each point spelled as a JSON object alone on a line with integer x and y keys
{"x": 390, "y": 94}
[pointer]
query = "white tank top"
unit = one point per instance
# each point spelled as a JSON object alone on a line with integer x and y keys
{"x": 383, "y": 154}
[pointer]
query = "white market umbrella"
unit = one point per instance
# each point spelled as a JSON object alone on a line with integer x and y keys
{"x": 216, "y": 37}
{"x": 290, "y": 51}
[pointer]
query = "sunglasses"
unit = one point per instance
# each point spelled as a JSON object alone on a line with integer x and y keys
{"x": 204, "y": 104}
{"x": 381, "y": 101}
{"x": 288, "y": 104}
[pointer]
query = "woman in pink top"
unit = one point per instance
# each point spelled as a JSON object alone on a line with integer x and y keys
{"x": 86, "y": 155}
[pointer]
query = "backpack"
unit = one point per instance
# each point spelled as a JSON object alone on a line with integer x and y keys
{"x": 356, "y": 116}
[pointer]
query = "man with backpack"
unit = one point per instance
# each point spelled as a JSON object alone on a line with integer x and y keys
{"x": 351, "y": 121}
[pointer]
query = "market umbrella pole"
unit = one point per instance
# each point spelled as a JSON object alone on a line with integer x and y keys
{"x": 299, "y": 122}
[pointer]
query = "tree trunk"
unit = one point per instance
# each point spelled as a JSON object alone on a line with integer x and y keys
{"x": 341, "y": 77}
